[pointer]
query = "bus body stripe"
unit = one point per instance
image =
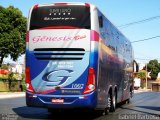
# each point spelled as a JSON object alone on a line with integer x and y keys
{"x": 27, "y": 36}
{"x": 94, "y": 35}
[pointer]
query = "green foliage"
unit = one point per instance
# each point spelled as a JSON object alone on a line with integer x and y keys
{"x": 141, "y": 75}
{"x": 4, "y": 66}
{"x": 12, "y": 33}
{"x": 154, "y": 67}
{"x": 23, "y": 76}
{"x": 23, "y": 85}
{"x": 2, "y": 77}
{"x": 11, "y": 76}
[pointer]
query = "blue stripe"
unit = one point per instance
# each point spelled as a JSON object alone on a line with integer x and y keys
{"x": 94, "y": 60}
{"x": 36, "y": 66}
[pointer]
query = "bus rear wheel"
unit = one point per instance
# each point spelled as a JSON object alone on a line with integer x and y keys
{"x": 112, "y": 102}
{"x": 130, "y": 96}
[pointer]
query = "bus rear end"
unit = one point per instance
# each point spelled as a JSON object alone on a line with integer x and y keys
{"x": 59, "y": 73}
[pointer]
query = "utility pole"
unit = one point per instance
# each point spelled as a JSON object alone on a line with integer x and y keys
{"x": 146, "y": 76}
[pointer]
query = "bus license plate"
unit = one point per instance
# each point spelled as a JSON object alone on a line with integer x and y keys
{"x": 57, "y": 100}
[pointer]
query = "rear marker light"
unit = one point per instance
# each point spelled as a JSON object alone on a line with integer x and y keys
{"x": 87, "y": 5}
{"x": 90, "y": 87}
{"x": 28, "y": 81}
{"x": 36, "y": 6}
{"x": 60, "y": 4}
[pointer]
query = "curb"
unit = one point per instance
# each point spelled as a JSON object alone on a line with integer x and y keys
{"x": 7, "y": 95}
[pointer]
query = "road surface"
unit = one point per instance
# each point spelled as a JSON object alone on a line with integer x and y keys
{"x": 143, "y": 106}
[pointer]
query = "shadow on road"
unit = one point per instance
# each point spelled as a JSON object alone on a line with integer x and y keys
{"x": 40, "y": 113}
{"x": 150, "y": 107}
{"x": 31, "y": 112}
{"x": 140, "y": 111}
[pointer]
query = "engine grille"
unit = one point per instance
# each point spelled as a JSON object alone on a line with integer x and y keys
{"x": 59, "y": 53}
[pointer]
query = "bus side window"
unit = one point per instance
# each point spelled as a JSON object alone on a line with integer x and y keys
{"x": 100, "y": 21}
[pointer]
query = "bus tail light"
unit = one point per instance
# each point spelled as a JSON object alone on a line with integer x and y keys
{"x": 28, "y": 81}
{"x": 90, "y": 87}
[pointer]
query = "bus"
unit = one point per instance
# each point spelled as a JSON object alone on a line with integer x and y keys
{"x": 76, "y": 58}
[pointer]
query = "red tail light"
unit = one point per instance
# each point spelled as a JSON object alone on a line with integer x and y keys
{"x": 90, "y": 87}
{"x": 28, "y": 81}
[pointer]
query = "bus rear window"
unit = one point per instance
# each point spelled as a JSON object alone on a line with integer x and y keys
{"x": 60, "y": 16}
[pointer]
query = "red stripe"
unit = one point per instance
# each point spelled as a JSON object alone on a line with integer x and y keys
{"x": 60, "y": 27}
{"x": 46, "y": 91}
{"x": 94, "y": 35}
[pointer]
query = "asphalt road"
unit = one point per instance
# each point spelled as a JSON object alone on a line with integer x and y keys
{"x": 143, "y": 106}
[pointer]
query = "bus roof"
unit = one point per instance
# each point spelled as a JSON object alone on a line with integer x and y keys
{"x": 62, "y": 4}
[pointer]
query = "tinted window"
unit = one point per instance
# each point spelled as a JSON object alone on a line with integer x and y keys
{"x": 52, "y": 16}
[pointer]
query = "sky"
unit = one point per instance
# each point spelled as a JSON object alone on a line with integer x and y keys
{"x": 119, "y": 12}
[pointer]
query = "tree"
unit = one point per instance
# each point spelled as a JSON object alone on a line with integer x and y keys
{"x": 10, "y": 78}
{"x": 141, "y": 74}
{"x": 154, "y": 67}
{"x": 5, "y": 66}
{"x": 12, "y": 33}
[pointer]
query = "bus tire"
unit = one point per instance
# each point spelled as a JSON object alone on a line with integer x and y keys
{"x": 130, "y": 96}
{"x": 105, "y": 112}
{"x": 112, "y": 102}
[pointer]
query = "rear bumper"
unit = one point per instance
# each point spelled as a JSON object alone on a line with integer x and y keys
{"x": 70, "y": 101}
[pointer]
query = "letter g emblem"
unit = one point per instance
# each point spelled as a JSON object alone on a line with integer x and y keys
{"x": 57, "y": 77}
